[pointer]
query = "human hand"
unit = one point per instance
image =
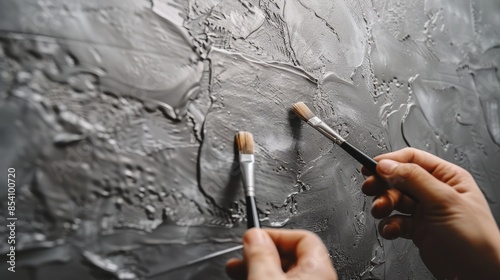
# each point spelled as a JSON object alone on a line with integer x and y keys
{"x": 280, "y": 254}
{"x": 447, "y": 216}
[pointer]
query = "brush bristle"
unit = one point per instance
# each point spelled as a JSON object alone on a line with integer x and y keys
{"x": 244, "y": 140}
{"x": 301, "y": 110}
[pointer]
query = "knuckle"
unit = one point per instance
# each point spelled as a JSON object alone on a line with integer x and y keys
{"x": 462, "y": 173}
{"x": 408, "y": 170}
{"x": 408, "y": 150}
{"x": 259, "y": 254}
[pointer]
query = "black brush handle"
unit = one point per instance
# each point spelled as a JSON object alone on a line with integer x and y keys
{"x": 252, "y": 214}
{"x": 367, "y": 162}
{"x": 363, "y": 158}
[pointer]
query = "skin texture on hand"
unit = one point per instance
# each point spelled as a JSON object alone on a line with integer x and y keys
{"x": 279, "y": 254}
{"x": 441, "y": 209}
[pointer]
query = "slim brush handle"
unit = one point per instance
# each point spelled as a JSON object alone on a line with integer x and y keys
{"x": 363, "y": 158}
{"x": 252, "y": 214}
{"x": 367, "y": 162}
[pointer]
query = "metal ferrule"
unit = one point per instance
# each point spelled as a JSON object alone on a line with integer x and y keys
{"x": 326, "y": 130}
{"x": 247, "y": 162}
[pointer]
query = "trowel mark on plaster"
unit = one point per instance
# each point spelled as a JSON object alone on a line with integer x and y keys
{"x": 78, "y": 122}
{"x": 320, "y": 52}
{"x": 72, "y": 101}
{"x": 279, "y": 214}
{"x": 488, "y": 89}
{"x": 207, "y": 22}
{"x": 146, "y": 71}
{"x": 166, "y": 73}
{"x": 286, "y": 67}
{"x": 240, "y": 23}
{"x": 321, "y": 18}
{"x": 281, "y": 49}
{"x": 214, "y": 24}
{"x": 469, "y": 22}
{"x": 419, "y": 134}
{"x": 129, "y": 175}
{"x": 445, "y": 74}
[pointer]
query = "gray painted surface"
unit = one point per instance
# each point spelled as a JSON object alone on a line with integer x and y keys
{"x": 119, "y": 118}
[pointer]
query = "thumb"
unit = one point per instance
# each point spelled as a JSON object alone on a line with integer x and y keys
{"x": 261, "y": 256}
{"x": 412, "y": 179}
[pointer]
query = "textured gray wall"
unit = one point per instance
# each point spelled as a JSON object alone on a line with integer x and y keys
{"x": 119, "y": 118}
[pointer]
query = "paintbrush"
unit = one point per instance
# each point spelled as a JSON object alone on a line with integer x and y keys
{"x": 244, "y": 141}
{"x": 301, "y": 110}
{"x": 195, "y": 261}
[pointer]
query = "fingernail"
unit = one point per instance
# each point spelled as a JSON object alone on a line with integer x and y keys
{"x": 255, "y": 236}
{"x": 385, "y": 229}
{"x": 387, "y": 166}
{"x": 375, "y": 203}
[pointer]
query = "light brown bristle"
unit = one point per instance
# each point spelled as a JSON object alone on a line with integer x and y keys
{"x": 301, "y": 110}
{"x": 244, "y": 140}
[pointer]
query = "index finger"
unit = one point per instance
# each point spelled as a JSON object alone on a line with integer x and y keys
{"x": 310, "y": 254}
{"x": 426, "y": 160}
{"x": 439, "y": 168}
{"x": 300, "y": 243}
